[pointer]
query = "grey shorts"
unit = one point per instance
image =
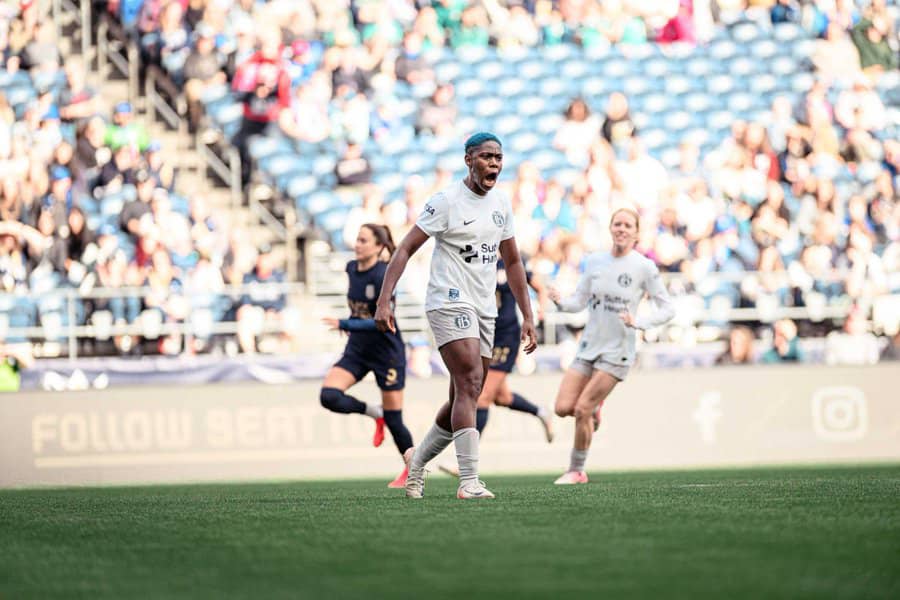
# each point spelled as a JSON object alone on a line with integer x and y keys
{"x": 457, "y": 323}
{"x": 587, "y": 368}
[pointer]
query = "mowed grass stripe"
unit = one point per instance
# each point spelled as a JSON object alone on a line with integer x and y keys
{"x": 768, "y": 533}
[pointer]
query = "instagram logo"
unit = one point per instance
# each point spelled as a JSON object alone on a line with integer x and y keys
{"x": 840, "y": 414}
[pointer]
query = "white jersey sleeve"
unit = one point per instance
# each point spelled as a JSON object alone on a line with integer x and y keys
{"x": 434, "y": 219}
{"x": 659, "y": 297}
{"x": 579, "y": 300}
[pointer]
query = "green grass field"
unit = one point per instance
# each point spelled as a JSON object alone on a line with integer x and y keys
{"x": 775, "y": 533}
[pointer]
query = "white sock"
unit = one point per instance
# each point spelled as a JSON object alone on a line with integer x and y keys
{"x": 542, "y": 412}
{"x": 374, "y": 410}
{"x": 466, "y": 442}
{"x": 431, "y": 445}
{"x": 576, "y": 462}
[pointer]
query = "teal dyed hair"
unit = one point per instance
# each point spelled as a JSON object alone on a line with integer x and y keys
{"x": 477, "y": 139}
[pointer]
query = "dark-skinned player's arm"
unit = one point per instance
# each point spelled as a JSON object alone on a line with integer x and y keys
{"x": 384, "y": 312}
{"x": 515, "y": 275}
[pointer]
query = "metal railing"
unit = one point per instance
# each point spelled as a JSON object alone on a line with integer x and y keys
{"x": 116, "y": 49}
{"x": 67, "y": 11}
{"x": 198, "y": 321}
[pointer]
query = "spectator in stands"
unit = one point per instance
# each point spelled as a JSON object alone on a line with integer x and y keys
{"x": 554, "y": 214}
{"x": 165, "y": 298}
{"x": 308, "y": 118}
{"x": 121, "y": 170}
{"x": 411, "y": 65}
{"x": 875, "y": 53}
{"x": 263, "y": 85}
{"x": 169, "y": 44}
{"x": 77, "y": 101}
{"x": 13, "y": 358}
{"x": 353, "y": 168}
{"x": 836, "y": 58}
{"x": 860, "y": 107}
{"x": 202, "y": 72}
{"x": 618, "y": 127}
{"x": 125, "y": 131}
{"x": 740, "y": 347}
{"x": 785, "y": 11}
{"x": 81, "y": 247}
{"x": 785, "y": 344}
{"x": 136, "y": 213}
{"x": 855, "y": 345}
{"x": 437, "y": 114}
{"x": 577, "y": 133}
{"x": 260, "y": 304}
{"x": 60, "y": 200}
{"x": 473, "y": 28}
{"x": 679, "y": 28}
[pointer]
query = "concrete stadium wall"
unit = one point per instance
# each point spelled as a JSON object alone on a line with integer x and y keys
{"x": 658, "y": 419}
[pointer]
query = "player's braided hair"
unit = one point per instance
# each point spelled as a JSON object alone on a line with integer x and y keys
{"x": 383, "y": 237}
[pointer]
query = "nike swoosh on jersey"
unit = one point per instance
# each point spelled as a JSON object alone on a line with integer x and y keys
{"x": 469, "y": 222}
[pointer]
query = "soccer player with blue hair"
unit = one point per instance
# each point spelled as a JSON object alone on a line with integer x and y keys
{"x": 472, "y": 224}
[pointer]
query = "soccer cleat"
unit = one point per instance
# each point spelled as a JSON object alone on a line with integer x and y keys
{"x": 400, "y": 481}
{"x": 572, "y": 478}
{"x": 473, "y": 490}
{"x": 415, "y": 478}
{"x": 378, "y": 439}
{"x": 547, "y": 422}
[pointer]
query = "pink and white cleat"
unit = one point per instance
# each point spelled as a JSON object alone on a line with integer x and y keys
{"x": 572, "y": 478}
{"x": 400, "y": 481}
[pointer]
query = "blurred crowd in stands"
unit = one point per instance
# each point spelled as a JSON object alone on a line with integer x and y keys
{"x": 806, "y": 200}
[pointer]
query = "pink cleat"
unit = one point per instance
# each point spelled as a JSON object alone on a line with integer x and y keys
{"x": 400, "y": 481}
{"x": 572, "y": 478}
{"x": 378, "y": 439}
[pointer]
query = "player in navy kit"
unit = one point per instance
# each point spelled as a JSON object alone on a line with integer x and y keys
{"x": 368, "y": 349}
{"x": 507, "y": 339}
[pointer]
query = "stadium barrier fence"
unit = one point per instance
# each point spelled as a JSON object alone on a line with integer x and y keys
{"x": 684, "y": 418}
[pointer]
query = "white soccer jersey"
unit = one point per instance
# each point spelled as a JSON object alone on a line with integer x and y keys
{"x": 467, "y": 231}
{"x": 611, "y": 285}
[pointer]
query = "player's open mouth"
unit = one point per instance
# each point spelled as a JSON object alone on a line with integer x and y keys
{"x": 491, "y": 178}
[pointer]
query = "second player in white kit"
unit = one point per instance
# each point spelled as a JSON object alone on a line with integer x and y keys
{"x": 611, "y": 287}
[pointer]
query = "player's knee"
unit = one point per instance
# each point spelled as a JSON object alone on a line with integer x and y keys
{"x": 468, "y": 384}
{"x": 583, "y": 411}
{"x": 330, "y": 397}
{"x": 563, "y": 410}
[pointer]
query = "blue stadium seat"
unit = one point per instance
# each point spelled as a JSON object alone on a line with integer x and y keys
{"x": 615, "y": 68}
{"x": 763, "y": 83}
{"x": 301, "y": 185}
{"x": 783, "y": 66}
{"x": 788, "y": 32}
{"x": 742, "y": 66}
{"x": 723, "y": 49}
{"x": 746, "y": 32}
{"x": 698, "y": 102}
{"x": 533, "y": 69}
{"x": 508, "y": 124}
{"x": 447, "y": 71}
{"x": 721, "y": 84}
{"x": 492, "y": 70}
{"x": 530, "y": 106}
{"x": 489, "y": 107}
{"x": 700, "y": 66}
{"x": 264, "y": 146}
{"x": 764, "y": 49}
{"x": 575, "y": 68}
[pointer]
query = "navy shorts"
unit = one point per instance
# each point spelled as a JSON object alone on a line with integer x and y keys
{"x": 389, "y": 368}
{"x": 506, "y": 350}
